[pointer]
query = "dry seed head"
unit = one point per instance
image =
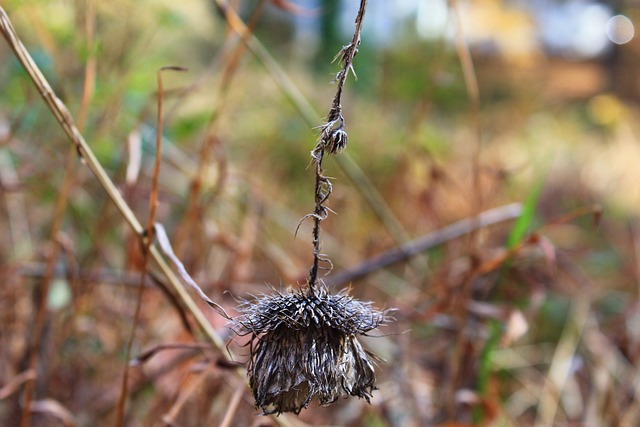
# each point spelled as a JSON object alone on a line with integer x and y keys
{"x": 337, "y": 141}
{"x": 334, "y": 137}
{"x": 305, "y": 346}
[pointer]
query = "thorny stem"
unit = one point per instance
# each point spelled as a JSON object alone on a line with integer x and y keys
{"x": 346, "y": 56}
{"x": 322, "y": 192}
{"x": 333, "y": 137}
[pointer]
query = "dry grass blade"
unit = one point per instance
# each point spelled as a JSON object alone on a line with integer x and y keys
{"x": 134, "y": 151}
{"x": 233, "y": 406}
{"x": 165, "y": 245}
{"x": 560, "y": 369}
{"x": 153, "y": 198}
{"x": 14, "y": 384}
{"x": 91, "y": 66}
{"x": 186, "y": 392}
{"x": 63, "y": 117}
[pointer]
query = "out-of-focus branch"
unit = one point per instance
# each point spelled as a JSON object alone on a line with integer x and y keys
{"x": 414, "y": 247}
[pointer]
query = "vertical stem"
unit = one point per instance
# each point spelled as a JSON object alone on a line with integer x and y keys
{"x": 146, "y": 242}
{"x": 334, "y": 138}
{"x": 319, "y": 214}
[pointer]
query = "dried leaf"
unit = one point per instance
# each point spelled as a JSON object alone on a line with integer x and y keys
{"x": 167, "y": 250}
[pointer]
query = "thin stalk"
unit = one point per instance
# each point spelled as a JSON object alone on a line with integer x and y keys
{"x": 309, "y": 114}
{"x": 333, "y": 138}
{"x": 322, "y": 192}
{"x": 153, "y": 202}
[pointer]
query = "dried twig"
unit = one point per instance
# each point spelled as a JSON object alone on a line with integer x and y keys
{"x": 333, "y": 136}
{"x": 438, "y": 237}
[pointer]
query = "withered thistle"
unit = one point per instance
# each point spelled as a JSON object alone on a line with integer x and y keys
{"x": 304, "y": 345}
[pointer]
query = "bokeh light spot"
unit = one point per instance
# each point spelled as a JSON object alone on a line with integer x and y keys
{"x": 620, "y": 29}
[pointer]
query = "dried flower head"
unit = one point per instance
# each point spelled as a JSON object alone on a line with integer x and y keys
{"x": 304, "y": 345}
{"x": 337, "y": 141}
{"x": 333, "y": 136}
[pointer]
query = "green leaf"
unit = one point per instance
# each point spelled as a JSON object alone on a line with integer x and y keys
{"x": 525, "y": 221}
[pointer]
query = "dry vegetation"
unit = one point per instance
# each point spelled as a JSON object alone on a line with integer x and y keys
{"x": 524, "y": 316}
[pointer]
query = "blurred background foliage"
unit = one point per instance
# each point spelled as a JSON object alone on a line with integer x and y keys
{"x": 532, "y": 322}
